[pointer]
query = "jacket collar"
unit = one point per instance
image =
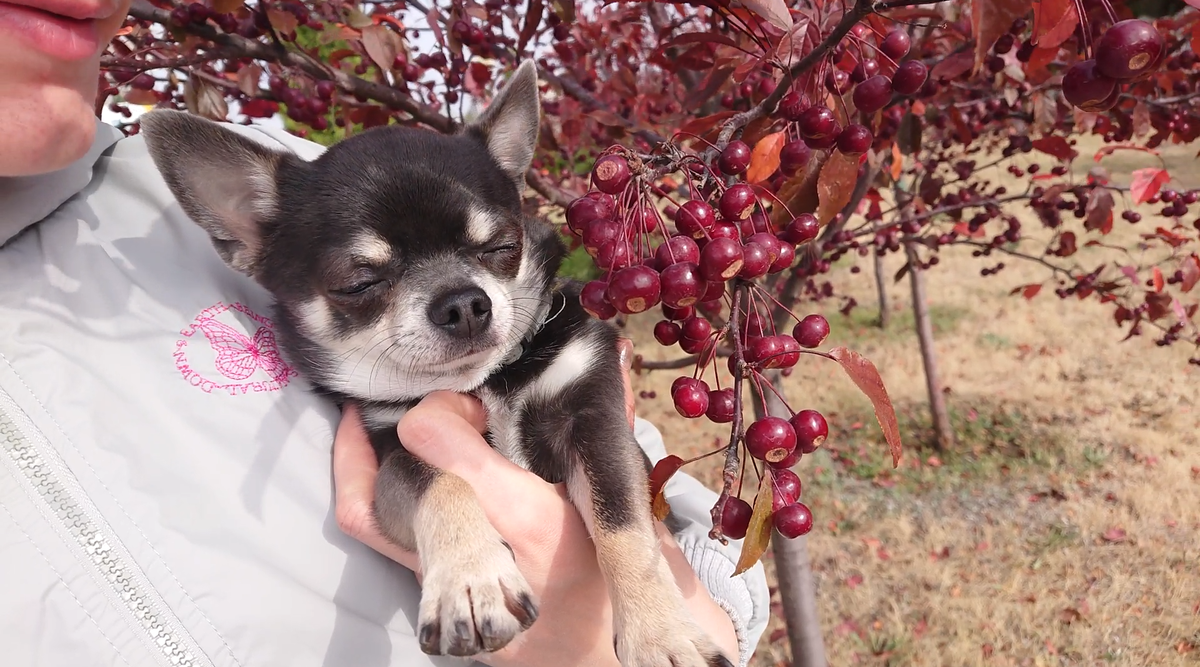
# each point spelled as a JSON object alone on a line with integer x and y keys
{"x": 26, "y": 200}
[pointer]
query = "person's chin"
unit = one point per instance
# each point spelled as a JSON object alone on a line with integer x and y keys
{"x": 49, "y": 129}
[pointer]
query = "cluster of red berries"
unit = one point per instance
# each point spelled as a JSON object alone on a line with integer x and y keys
{"x": 685, "y": 269}
{"x": 1127, "y": 51}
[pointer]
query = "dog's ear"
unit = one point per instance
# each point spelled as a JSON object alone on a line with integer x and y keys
{"x": 225, "y": 182}
{"x": 509, "y": 126}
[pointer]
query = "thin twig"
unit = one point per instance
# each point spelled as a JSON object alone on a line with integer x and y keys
{"x": 729, "y": 472}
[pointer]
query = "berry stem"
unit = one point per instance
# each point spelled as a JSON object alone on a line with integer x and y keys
{"x": 730, "y": 471}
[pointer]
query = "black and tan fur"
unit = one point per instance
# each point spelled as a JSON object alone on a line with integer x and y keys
{"x": 401, "y": 263}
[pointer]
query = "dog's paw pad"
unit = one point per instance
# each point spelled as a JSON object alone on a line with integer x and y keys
{"x": 476, "y": 602}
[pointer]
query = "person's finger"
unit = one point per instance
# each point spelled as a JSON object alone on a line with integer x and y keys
{"x": 354, "y": 471}
{"x": 445, "y": 430}
{"x": 625, "y": 351}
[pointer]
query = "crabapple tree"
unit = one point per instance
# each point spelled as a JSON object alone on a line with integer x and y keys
{"x": 709, "y": 161}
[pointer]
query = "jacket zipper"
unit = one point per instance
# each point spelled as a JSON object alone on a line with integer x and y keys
{"x": 62, "y": 499}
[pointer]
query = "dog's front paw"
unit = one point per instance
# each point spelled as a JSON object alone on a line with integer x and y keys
{"x": 475, "y": 602}
{"x": 658, "y": 631}
{"x": 680, "y": 646}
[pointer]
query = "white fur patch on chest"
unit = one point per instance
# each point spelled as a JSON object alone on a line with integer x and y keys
{"x": 504, "y": 413}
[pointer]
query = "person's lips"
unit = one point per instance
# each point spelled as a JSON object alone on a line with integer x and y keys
{"x": 61, "y": 29}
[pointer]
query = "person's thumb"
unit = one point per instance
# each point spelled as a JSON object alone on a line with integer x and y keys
{"x": 445, "y": 430}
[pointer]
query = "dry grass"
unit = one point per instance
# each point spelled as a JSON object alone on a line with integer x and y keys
{"x": 1065, "y": 530}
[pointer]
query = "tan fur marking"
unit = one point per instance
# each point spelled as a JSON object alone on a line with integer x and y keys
{"x": 473, "y": 597}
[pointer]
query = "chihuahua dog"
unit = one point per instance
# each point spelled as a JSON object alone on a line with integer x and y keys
{"x": 400, "y": 263}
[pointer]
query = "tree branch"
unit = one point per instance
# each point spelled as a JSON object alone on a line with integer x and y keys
{"x": 236, "y": 46}
{"x": 579, "y": 93}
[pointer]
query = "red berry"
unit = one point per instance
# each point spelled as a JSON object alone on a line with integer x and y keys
{"x": 144, "y": 81}
{"x": 696, "y": 328}
{"x": 723, "y": 229}
{"x": 594, "y": 301}
{"x": 677, "y": 249}
{"x": 855, "y": 139}
{"x": 690, "y": 399}
{"x": 873, "y": 94}
{"x": 611, "y": 174}
{"x": 768, "y": 241}
{"x": 794, "y": 156}
{"x": 864, "y": 70}
{"x": 802, "y": 229}
{"x": 634, "y": 290}
{"x": 1086, "y": 88}
{"x": 770, "y": 439}
{"x": 721, "y": 406}
{"x": 614, "y": 255}
{"x": 787, "y": 353}
{"x": 682, "y": 284}
{"x": 787, "y": 462}
{"x": 677, "y": 314}
{"x": 721, "y": 259}
{"x": 792, "y": 105}
{"x": 759, "y": 348}
{"x": 909, "y": 77}
{"x": 601, "y": 232}
{"x": 735, "y": 518}
{"x": 667, "y": 333}
{"x": 735, "y": 159}
{"x": 756, "y": 261}
{"x": 896, "y": 44}
{"x": 811, "y": 331}
{"x": 589, "y": 208}
{"x": 786, "y": 488}
{"x": 811, "y": 430}
{"x": 817, "y": 122}
{"x": 793, "y": 520}
{"x": 695, "y": 218}
{"x": 1128, "y": 49}
{"x": 713, "y": 292}
{"x": 787, "y": 256}
{"x": 837, "y": 81}
{"x": 737, "y": 202}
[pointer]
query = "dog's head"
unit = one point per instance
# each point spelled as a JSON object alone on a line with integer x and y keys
{"x": 399, "y": 259}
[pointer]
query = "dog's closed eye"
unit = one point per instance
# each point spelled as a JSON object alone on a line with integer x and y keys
{"x": 360, "y": 283}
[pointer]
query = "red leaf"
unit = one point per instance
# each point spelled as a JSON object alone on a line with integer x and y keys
{"x": 700, "y": 38}
{"x": 533, "y": 19}
{"x": 1114, "y": 535}
{"x": 1053, "y": 22}
{"x": 835, "y": 185}
{"x": 1056, "y": 146}
{"x": 1109, "y": 150}
{"x": 382, "y": 45}
{"x": 1157, "y": 276}
{"x": 866, "y": 376}
{"x": 952, "y": 67}
{"x": 1099, "y": 211}
{"x": 990, "y": 19}
{"x": 1031, "y": 291}
{"x": 1146, "y": 183}
{"x": 699, "y": 126}
{"x": 758, "y": 535}
{"x": 478, "y": 77}
{"x": 1191, "y": 273}
{"x": 765, "y": 158}
{"x": 659, "y": 476}
{"x": 775, "y": 11}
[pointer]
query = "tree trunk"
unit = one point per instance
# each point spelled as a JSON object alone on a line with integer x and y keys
{"x": 881, "y": 290}
{"x": 793, "y": 569}
{"x": 937, "y": 400}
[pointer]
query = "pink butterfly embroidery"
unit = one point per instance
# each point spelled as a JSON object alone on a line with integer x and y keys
{"x": 238, "y": 356}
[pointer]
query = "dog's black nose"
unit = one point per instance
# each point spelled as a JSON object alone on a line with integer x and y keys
{"x": 463, "y": 312}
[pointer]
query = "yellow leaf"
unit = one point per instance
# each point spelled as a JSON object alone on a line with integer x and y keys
{"x": 226, "y": 6}
{"x": 897, "y": 161}
{"x": 764, "y": 160}
{"x": 758, "y": 535}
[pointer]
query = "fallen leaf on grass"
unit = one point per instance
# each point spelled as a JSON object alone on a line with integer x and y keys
{"x": 1114, "y": 535}
{"x": 1069, "y": 615}
{"x": 854, "y": 581}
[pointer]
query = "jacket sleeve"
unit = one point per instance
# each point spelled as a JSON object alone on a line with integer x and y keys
{"x": 745, "y": 597}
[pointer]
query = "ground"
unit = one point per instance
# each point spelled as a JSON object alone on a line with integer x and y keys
{"x": 1064, "y": 529}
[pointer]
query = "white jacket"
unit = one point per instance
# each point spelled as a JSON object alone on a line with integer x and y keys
{"x": 164, "y": 500}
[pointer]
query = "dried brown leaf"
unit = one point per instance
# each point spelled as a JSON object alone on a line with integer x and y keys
{"x": 867, "y": 378}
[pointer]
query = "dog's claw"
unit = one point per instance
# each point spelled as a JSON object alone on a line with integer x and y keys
{"x": 475, "y": 606}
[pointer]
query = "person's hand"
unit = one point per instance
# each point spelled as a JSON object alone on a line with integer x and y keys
{"x": 552, "y": 546}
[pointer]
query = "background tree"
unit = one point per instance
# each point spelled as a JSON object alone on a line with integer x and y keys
{"x": 710, "y": 161}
